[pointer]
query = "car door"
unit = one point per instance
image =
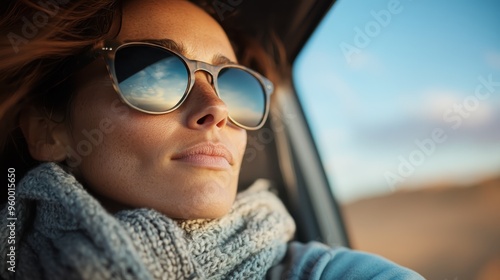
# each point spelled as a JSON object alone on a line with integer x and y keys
{"x": 402, "y": 100}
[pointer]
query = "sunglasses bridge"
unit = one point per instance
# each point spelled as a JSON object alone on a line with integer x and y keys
{"x": 109, "y": 49}
{"x": 200, "y": 66}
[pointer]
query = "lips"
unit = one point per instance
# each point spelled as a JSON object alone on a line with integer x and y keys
{"x": 206, "y": 155}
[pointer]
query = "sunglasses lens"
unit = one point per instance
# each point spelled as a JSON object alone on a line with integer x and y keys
{"x": 244, "y": 96}
{"x": 150, "y": 78}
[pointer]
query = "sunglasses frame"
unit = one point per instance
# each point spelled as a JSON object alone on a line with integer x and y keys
{"x": 108, "y": 51}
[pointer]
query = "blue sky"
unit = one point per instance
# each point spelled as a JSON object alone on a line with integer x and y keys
{"x": 413, "y": 63}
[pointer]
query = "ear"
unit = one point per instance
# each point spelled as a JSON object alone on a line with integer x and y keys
{"x": 47, "y": 140}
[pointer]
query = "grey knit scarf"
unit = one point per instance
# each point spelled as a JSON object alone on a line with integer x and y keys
{"x": 62, "y": 232}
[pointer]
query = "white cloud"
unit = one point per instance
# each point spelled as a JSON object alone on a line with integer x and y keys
{"x": 439, "y": 101}
{"x": 436, "y": 102}
{"x": 367, "y": 61}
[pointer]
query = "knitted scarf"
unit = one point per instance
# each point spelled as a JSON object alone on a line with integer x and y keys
{"x": 62, "y": 232}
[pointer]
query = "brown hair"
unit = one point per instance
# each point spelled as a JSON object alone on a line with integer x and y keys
{"x": 38, "y": 39}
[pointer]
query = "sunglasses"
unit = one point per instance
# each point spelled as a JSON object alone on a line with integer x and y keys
{"x": 155, "y": 79}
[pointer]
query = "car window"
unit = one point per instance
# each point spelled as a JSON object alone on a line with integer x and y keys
{"x": 403, "y": 100}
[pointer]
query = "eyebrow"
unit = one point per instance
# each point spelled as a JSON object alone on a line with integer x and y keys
{"x": 217, "y": 59}
{"x": 167, "y": 43}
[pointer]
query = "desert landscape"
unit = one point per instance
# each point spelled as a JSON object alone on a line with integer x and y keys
{"x": 443, "y": 232}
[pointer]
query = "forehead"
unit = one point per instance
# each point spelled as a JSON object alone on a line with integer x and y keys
{"x": 177, "y": 20}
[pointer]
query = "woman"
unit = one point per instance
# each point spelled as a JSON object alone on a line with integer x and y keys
{"x": 140, "y": 113}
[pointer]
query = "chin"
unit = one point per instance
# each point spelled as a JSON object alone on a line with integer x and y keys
{"x": 205, "y": 201}
{"x": 206, "y": 209}
{"x": 207, "y": 212}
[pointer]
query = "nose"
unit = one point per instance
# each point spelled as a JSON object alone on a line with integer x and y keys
{"x": 204, "y": 108}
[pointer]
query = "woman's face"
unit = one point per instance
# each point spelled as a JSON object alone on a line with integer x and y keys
{"x": 166, "y": 162}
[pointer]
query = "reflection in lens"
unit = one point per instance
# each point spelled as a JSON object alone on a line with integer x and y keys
{"x": 243, "y": 95}
{"x": 150, "y": 78}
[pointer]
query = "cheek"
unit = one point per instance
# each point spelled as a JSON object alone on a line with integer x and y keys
{"x": 107, "y": 132}
{"x": 117, "y": 149}
{"x": 120, "y": 154}
{"x": 242, "y": 144}
{"x": 118, "y": 132}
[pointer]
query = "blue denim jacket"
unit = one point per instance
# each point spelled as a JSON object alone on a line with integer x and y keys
{"x": 318, "y": 261}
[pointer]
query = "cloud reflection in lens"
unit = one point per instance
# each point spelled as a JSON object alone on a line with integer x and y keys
{"x": 151, "y": 79}
{"x": 243, "y": 95}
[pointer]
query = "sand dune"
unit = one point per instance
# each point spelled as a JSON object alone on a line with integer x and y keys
{"x": 441, "y": 232}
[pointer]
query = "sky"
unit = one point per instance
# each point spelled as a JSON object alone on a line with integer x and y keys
{"x": 404, "y": 94}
